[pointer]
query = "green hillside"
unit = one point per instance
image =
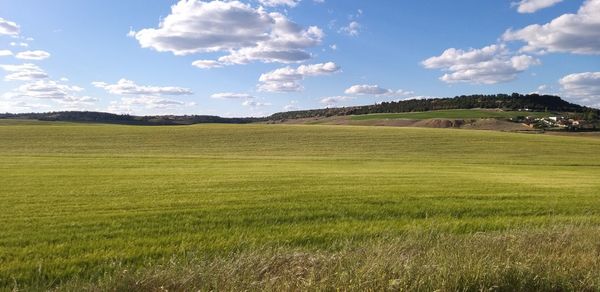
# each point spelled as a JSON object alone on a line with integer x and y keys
{"x": 451, "y": 114}
{"x": 278, "y": 207}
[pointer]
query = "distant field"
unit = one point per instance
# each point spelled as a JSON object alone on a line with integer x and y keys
{"x": 296, "y": 207}
{"x": 451, "y": 114}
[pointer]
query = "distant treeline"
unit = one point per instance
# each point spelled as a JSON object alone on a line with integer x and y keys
{"x": 99, "y": 117}
{"x": 533, "y": 102}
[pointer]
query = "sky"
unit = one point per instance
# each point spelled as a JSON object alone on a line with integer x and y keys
{"x": 258, "y": 57}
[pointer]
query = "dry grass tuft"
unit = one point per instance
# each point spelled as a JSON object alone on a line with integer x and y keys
{"x": 565, "y": 259}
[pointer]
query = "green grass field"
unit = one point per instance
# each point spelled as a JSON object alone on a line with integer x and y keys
{"x": 451, "y": 114}
{"x": 280, "y": 207}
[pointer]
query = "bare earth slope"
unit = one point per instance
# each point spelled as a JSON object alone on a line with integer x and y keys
{"x": 473, "y": 124}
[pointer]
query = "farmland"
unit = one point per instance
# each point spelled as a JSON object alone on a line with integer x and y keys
{"x": 234, "y": 207}
{"x": 451, "y": 114}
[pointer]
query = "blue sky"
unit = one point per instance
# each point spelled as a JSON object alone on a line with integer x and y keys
{"x": 253, "y": 58}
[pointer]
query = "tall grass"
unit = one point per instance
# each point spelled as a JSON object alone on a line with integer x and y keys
{"x": 565, "y": 259}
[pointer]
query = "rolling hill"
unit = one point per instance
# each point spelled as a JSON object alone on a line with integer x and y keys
{"x": 503, "y": 102}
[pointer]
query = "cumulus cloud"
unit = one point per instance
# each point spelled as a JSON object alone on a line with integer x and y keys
{"x": 21, "y": 44}
{"x": 14, "y": 106}
{"x": 33, "y": 55}
{"x": 133, "y": 104}
{"x": 334, "y": 100}
{"x": 367, "y": 90}
{"x": 143, "y": 97}
{"x": 8, "y": 27}
{"x": 292, "y": 106}
{"x": 5, "y": 53}
{"x": 66, "y": 95}
{"x": 542, "y": 87}
{"x": 287, "y": 43}
{"x": 352, "y": 29}
{"x": 255, "y": 104}
{"x": 231, "y": 95}
{"x": 198, "y": 26}
{"x": 571, "y": 33}
{"x": 248, "y": 100}
{"x": 45, "y": 89}
{"x": 531, "y": 6}
{"x": 582, "y": 87}
{"x": 128, "y": 87}
{"x": 489, "y": 65}
{"x": 288, "y": 79}
{"x": 245, "y": 33}
{"x": 376, "y": 90}
{"x": 207, "y": 64}
{"x": 24, "y": 72}
{"x": 273, "y": 3}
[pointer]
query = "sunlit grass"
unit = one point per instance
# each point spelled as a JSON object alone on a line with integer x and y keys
{"x": 83, "y": 202}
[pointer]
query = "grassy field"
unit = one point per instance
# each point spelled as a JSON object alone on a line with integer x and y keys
{"x": 451, "y": 114}
{"x": 295, "y": 207}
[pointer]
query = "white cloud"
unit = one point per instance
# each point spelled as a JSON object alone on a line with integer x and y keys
{"x": 45, "y": 89}
{"x": 255, "y": 104}
{"x": 143, "y": 97}
{"x": 207, "y": 64}
{"x": 245, "y": 33}
{"x": 531, "y": 6}
{"x": 21, "y": 44}
{"x": 281, "y": 80}
{"x": 376, "y": 90}
{"x": 128, "y": 87}
{"x": 403, "y": 92}
{"x": 288, "y": 79}
{"x": 15, "y": 106}
{"x": 273, "y": 3}
{"x": 583, "y": 87}
{"x": 572, "y": 33}
{"x": 24, "y": 72}
{"x": 198, "y": 26}
{"x": 66, "y": 95}
{"x": 5, "y": 53}
{"x": 286, "y": 44}
{"x": 318, "y": 69}
{"x": 131, "y": 33}
{"x": 420, "y": 97}
{"x": 249, "y": 100}
{"x": 367, "y": 90}
{"x": 33, "y": 55}
{"x": 352, "y": 29}
{"x": 231, "y": 95}
{"x": 334, "y": 100}
{"x": 489, "y": 65}
{"x": 134, "y": 104}
{"x": 8, "y": 27}
{"x": 292, "y": 106}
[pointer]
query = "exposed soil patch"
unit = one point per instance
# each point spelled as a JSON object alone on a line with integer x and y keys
{"x": 441, "y": 123}
{"x": 473, "y": 124}
{"x": 497, "y": 125}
